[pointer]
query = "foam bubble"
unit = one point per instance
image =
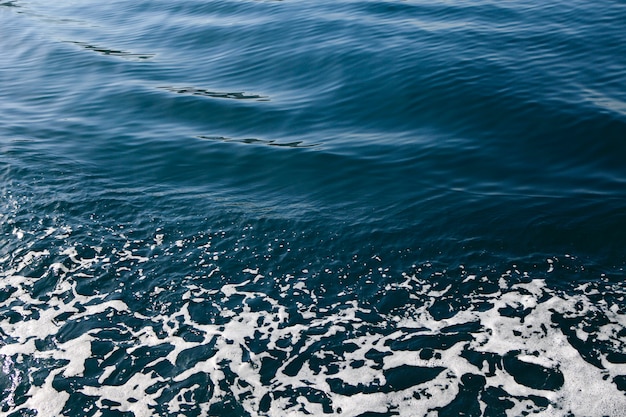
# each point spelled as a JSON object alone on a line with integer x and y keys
{"x": 266, "y": 343}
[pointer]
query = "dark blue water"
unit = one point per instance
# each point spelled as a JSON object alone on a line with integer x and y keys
{"x": 351, "y": 208}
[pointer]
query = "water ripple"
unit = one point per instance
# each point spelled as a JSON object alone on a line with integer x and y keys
{"x": 336, "y": 207}
{"x": 215, "y": 94}
{"x": 294, "y": 144}
{"x": 113, "y": 52}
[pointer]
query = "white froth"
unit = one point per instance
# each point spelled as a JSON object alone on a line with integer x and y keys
{"x": 18, "y": 233}
{"x": 132, "y": 395}
{"x": 77, "y": 351}
{"x": 45, "y": 399}
{"x": 531, "y": 337}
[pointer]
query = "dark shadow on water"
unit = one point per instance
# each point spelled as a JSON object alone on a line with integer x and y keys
{"x": 215, "y": 94}
{"x": 112, "y": 52}
{"x": 294, "y": 144}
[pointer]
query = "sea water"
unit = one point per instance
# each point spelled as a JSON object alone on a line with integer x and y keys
{"x": 289, "y": 208}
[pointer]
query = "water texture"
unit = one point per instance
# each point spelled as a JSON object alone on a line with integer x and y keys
{"x": 350, "y": 208}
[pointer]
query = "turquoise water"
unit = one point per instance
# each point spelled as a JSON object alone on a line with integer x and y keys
{"x": 351, "y": 208}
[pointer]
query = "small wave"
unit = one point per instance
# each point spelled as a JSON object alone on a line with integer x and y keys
{"x": 113, "y": 52}
{"x": 292, "y": 144}
{"x": 215, "y": 94}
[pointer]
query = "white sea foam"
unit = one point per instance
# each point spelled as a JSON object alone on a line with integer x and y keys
{"x": 277, "y": 358}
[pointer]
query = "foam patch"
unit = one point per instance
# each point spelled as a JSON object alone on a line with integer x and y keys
{"x": 92, "y": 329}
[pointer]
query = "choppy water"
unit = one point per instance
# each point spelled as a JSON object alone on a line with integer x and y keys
{"x": 351, "y": 208}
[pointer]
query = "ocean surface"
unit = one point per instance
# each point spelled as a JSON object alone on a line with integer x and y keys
{"x": 286, "y": 208}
